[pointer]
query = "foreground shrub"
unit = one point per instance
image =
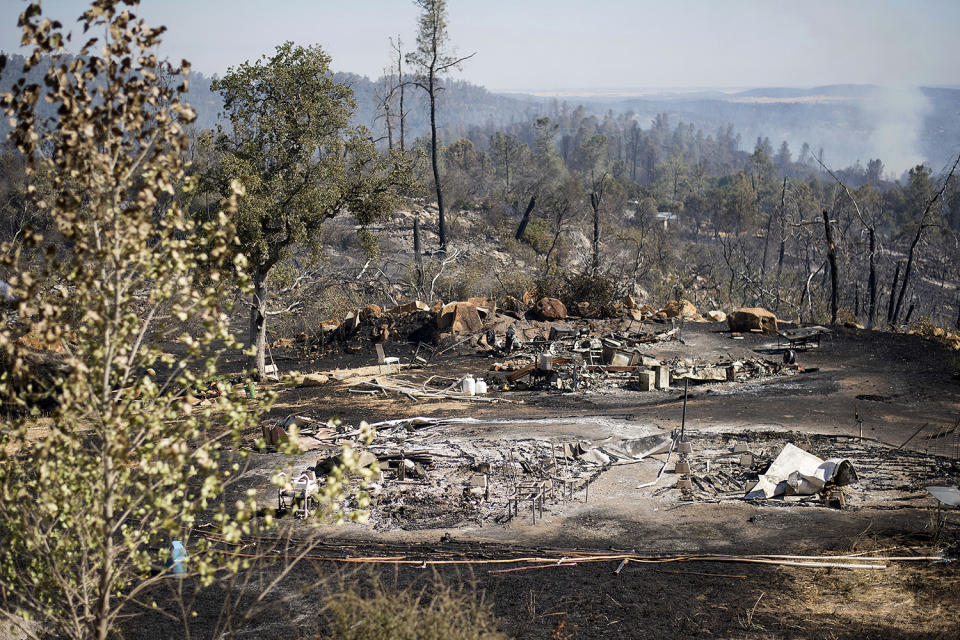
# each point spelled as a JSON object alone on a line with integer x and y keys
{"x": 376, "y": 611}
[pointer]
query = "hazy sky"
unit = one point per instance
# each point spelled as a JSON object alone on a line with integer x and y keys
{"x": 581, "y": 44}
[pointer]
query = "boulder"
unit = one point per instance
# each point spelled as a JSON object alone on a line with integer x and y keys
{"x": 485, "y": 306}
{"x": 459, "y": 317}
{"x": 410, "y": 307}
{"x": 752, "y": 319}
{"x": 370, "y": 312}
{"x": 636, "y": 314}
{"x": 313, "y": 380}
{"x": 680, "y": 309}
{"x": 328, "y": 325}
{"x": 717, "y": 316}
{"x": 550, "y": 309}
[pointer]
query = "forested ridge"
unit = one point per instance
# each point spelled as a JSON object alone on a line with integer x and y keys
{"x": 747, "y": 226}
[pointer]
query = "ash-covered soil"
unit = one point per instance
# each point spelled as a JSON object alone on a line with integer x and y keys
{"x": 887, "y": 402}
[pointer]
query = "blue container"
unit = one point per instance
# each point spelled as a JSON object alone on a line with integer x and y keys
{"x": 178, "y": 556}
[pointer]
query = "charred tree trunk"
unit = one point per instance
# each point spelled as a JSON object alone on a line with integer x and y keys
{"x": 418, "y": 251}
{"x": 783, "y": 249}
{"x": 909, "y": 313}
{"x": 402, "y": 85}
{"x": 258, "y": 322}
{"x": 525, "y": 220}
{"x": 417, "y": 247}
{"x": 595, "y": 204}
{"x": 389, "y": 124}
{"x": 907, "y": 270}
{"x": 893, "y": 293}
{"x": 441, "y": 219}
{"x": 872, "y": 282}
{"x": 834, "y": 275}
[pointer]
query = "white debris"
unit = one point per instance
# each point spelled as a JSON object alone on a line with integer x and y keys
{"x": 796, "y": 472}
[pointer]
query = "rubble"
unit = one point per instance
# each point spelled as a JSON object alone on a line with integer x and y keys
{"x": 440, "y": 473}
{"x": 431, "y": 478}
{"x": 598, "y": 355}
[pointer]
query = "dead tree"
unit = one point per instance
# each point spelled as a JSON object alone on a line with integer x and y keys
{"x": 431, "y": 60}
{"x": 596, "y": 200}
{"x": 893, "y": 293}
{"x": 916, "y": 239}
{"x": 834, "y": 275}
{"x": 872, "y": 281}
{"x": 766, "y": 238}
{"x": 871, "y": 231}
{"x": 418, "y": 251}
{"x": 399, "y": 89}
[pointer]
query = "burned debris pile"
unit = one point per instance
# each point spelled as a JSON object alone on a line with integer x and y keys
{"x": 430, "y": 479}
{"x": 445, "y": 473}
{"x": 536, "y": 345}
{"x": 769, "y": 467}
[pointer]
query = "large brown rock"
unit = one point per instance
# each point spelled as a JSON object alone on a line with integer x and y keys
{"x": 550, "y": 309}
{"x": 371, "y": 312}
{"x": 459, "y": 317}
{"x": 680, "y": 309}
{"x": 410, "y": 307}
{"x": 485, "y": 306}
{"x": 313, "y": 380}
{"x": 752, "y": 319}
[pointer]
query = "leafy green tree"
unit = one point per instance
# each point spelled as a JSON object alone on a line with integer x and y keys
{"x": 125, "y": 462}
{"x": 300, "y": 161}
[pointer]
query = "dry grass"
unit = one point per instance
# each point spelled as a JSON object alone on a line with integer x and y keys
{"x": 374, "y": 611}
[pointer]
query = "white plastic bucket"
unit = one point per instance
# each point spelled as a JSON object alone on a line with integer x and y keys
{"x": 481, "y": 387}
{"x": 469, "y": 386}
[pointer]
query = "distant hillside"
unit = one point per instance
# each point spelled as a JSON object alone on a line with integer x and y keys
{"x": 850, "y": 123}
